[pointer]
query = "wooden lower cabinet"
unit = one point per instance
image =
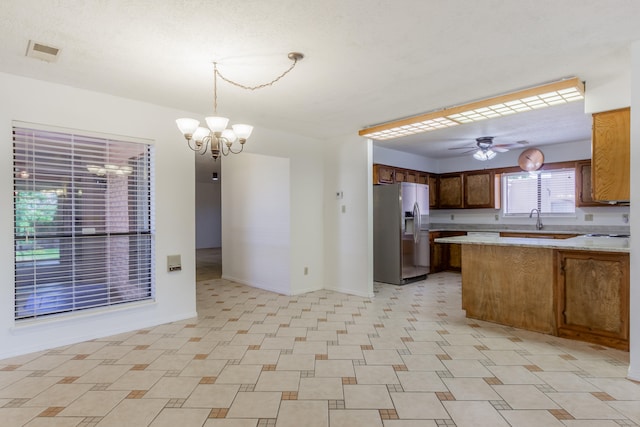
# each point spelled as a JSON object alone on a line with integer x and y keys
{"x": 509, "y": 285}
{"x": 445, "y": 256}
{"x": 593, "y": 297}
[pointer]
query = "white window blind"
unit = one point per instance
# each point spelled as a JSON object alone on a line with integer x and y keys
{"x": 550, "y": 191}
{"x": 83, "y": 221}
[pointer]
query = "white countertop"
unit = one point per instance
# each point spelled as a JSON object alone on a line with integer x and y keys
{"x": 602, "y": 244}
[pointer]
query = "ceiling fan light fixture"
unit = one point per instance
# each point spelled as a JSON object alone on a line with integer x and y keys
{"x": 484, "y": 154}
{"x": 546, "y": 95}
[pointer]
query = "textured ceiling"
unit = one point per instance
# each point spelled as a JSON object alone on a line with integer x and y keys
{"x": 366, "y": 61}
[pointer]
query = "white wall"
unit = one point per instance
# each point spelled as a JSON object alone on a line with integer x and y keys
{"x": 256, "y": 209}
{"x": 305, "y": 191}
{"x": 634, "y": 367}
{"x": 208, "y": 218}
{"x": 348, "y": 222}
{"x": 40, "y": 102}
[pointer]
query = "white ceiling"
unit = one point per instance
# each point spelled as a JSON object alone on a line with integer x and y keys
{"x": 366, "y": 61}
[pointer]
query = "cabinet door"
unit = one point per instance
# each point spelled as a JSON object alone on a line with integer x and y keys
{"x": 479, "y": 189}
{"x": 423, "y": 178}
{"x": 610, "y": 152}
{"x": 433, "y": 191}
{"x": 593, "y": 297}
{"x": 383, "y": 174}
{"x": 583, "y": 184}
{"x": 411, "y": 176}
{"x": 400, "y": 175}
{"x": 450, "y": 191}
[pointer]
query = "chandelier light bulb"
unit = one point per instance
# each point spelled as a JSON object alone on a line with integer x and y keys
{"x": 217, "y": 124}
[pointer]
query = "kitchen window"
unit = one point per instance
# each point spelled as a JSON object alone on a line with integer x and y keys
{"x": 83, "y": 221}
{"x": 550, "y": 191}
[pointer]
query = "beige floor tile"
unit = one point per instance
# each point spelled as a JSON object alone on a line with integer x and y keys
{"x": 247, "y": 339}
{"x": 418, "y": 347}
{"x": 239, "y": 374}
{"x": 228, "y": 352}
{"x": 212, "y": 396}
{"x": 367, "y": 397}
{"x": 260, "y": 357}
{"x": 525, "y": 397}
{"x": 173, "y": 388}
{"x": 200, "y": 347}
{"x": 310, "y": 413}
{"x": 474, "y": 414}
{"x": 630, "y": 409}
{"x": 409, "y": 423}
{"x": 54, "y": 422}
{"x": 334, "y": 368}
{"x": 113, "y": 352}
{"x": 296, "y": 362}
{"x": 9, "y": 377}
{"x": 551, "y": 362}
{"x": 566, "y": 382}
{"x": 261, "y": 404}
{"x": 421, "y": 381}
{"x": 310, "y": 347}
{"x": 590, "y": 423}
{"x": 203, "y": 368}
{"x": 414, "y": 405}
{"x": 466, "y": 368}
{"x": 46, "y": 363}
{"x": 422, "y": 362}
{"x": 515, "y": 375}
{"x": 136, "y": 380}
{"x": 585, "y": 406}
{"x": 354, "y": 339}
{"x": 291, "y": 332}
{"x": 320, "y": 388}
{"x": 59, "y": 395}
{"x": 103, "y": 374}
{"x": 278, "y": 381}
{"x": 173, "y": 343}
{"x": 354, "y": 418}
{"x": 460, "y": 339}
{"x": 28, "y": 387}
{"x": 618, "y": 388}
{"x": 94, "y": 404}
{"x": 382, "y": 357}
{"x": 600, "y": 368}
{"x": 277, "y": 343}
{"x": 531, "y": 418}
{"x": 470, "y": 389}
{"x": 133, "y": 412}
{"x": 505, "y": 357}
{"x": 18, "y": 416}
{"x": 140, "y": 357}
{"x": 173, "y": 362}
{"x": 238, "y": 422}
{"x": 345, "y": 352}
{"x": 463, "y": 352}
{"x": 322, "y": 336}
{"x": 376, "y": 375}
{"x": 172, "y": 417}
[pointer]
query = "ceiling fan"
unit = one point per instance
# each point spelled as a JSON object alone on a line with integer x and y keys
{"x": 485, "y": 149}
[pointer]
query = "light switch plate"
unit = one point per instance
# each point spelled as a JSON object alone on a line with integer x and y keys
{"x": 174, "y": 263}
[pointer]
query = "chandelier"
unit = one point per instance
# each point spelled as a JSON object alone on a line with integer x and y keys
{"x": 216, "y": 137}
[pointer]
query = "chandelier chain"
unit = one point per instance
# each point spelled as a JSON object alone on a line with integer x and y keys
{"x": 295, "y": 61}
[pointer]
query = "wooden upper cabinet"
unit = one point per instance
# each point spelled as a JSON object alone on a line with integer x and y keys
{"x": 481, "y": 189}
{"x": 583, "y": 184}
{"x": 411, "y": 176}
{"x": 401, "y": 175}
{"x": 451, "y": 190}
{"x": 383, "y": 174}
{"x": 610, "y": 151}
{"x": 433, "y": 191}
{"x": 422, "y": 178}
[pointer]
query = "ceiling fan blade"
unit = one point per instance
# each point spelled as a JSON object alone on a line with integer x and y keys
{"x": 468, "y": 147}
{"x": 499, "y": 149}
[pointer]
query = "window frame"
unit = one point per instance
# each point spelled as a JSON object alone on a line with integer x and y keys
{"x": 52, "y": 288}
{"x": 560, "y": 169}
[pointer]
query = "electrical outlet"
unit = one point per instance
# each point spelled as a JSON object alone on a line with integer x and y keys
{"x": 625, "y": 218}
{"x": 452, "y": 217}
{"x": 588, "y": 217}
{"x": 306, "y": 271}
{"x": 344, "y": 208}
{"x": 496, "y": 217}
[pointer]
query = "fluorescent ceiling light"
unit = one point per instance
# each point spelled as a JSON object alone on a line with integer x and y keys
{"x": 546, "y": 95}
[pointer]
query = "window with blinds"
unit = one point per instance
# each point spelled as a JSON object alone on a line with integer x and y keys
{"x": 83, "y": 221}
{"x": 550, "y": 191}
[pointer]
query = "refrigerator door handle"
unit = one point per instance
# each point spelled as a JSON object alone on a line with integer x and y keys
{"x": 416, "y": 223}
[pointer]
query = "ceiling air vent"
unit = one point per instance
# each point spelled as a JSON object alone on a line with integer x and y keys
{"x": 42, "y": 51}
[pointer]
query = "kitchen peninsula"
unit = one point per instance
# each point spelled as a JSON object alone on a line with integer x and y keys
{"x": 575, "y": 288}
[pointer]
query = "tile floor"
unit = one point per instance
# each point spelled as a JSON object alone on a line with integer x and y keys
{"x": 406, "y": 358}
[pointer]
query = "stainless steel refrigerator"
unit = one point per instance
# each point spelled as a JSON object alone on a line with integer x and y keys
{"x": 400, "y": 232}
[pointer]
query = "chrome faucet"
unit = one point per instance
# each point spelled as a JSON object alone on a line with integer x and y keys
{"x": 538, "y": 221}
